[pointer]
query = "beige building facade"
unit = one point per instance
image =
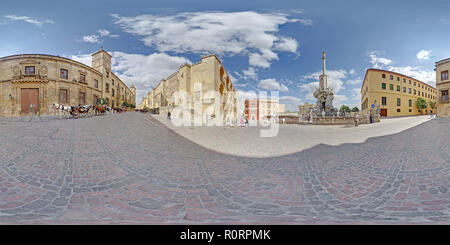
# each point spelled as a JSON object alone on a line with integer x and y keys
{"x": 31, "y": 83}
{"x": 443, "y": 87}
{"x": 204, "y": 85}
{"x": 394, "y": 94}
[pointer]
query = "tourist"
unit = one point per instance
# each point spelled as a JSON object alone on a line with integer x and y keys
{"x": 356, "y": 119}
{"x": 168, "y": 115}
{"x": 431, "y": 113}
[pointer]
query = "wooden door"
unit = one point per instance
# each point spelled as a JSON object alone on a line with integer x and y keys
{"x": 29, "y": 100}
{"x": 383, "y": 112}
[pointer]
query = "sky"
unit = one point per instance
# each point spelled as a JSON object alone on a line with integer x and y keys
{"x": 263, "y": 45}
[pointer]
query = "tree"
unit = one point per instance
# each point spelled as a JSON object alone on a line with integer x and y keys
{"x": 355, "y": 109}
{"x": 103, "y": 101}
{"x": 433, "y": 104}
{"x": 345, "y": 108}
{"x": 421, "y": 104}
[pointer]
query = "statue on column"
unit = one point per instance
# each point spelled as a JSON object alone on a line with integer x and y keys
{"x": 324, "y": 94}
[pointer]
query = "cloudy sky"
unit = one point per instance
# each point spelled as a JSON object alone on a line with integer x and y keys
{"x": 264, "y": 45}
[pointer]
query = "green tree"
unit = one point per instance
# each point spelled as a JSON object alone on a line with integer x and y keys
{"x": 421, "y": 104}
{"x": 345, "y": 108}
{"x": 355, "y": 109}
{"x": 433, "y": 104}
{"x": 103, "y": 101}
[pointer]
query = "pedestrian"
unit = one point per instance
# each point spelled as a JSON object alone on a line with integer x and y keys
{"x": 246, "y": 122}
{"x": 356, "y": 119}
{"x": 431, "y": 113}
{"x": 168, "y": 115}
{"x": 284, "y": 120}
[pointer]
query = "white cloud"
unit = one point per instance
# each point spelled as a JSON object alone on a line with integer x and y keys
{"x": 272, "y": 85}
{"x": 423, "y": 55}
{"x": 91, "y": 39}
{"x": 250, "y": 73}
{"x": 95, "y": 38}
{"x": 306, "y": 22}
{"x": 83, "y": 58}
{"x": 378, "y": 62}
{"x": 339, "y": 100}
{"x": 30, "y": 20}
{"x": 417, "y": 72}
{"x": 352, "y": 72}
{"x": 224, "y": 33}
{"x": 143, "y": 71}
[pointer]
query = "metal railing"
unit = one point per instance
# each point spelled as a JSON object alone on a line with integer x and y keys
{"x": 444, "y": 99}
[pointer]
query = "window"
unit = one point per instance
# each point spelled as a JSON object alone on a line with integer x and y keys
{"x": 422, "y": 93}
{"x": 404, "y": 89}
{"x": 64, "y": 74}
{"x": 383, "y": 86}
{"x": 82, "y": 78}
{"x": 82, "y": 98}
{"x": 383, "y": 100}
{"x": 398, "y": 78}
{"x": 409, "y": 110}
{"x": 391, "y": 86}
{"x": 409, "y": 90}
{"x": 29, "y": 70}
{"x": 410, "y": 103}
{"x": 444, "y": 96}
{"x": 391, "y": 77}
{"x": 398, "y": 101}
{"x": 414, "y": 92}
{"x": 398, "y": 110}
{"x": 107, "y": 73}
{"x": 409, "y": 81}
{"x": 383, "y": 75}
{"x": 113, "y": 82}
{"x": 414, "y": 83}
{"x": 107, "y": 88}
{"x": 112, "y": 92}
{"x": 95, "y": 83}
{"x": 404, "y": 80}
{"x": 398, "y": 88}
{"x": 63, "y": 95}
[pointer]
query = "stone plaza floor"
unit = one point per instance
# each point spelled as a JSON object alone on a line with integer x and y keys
{"x": 130, "y": 168}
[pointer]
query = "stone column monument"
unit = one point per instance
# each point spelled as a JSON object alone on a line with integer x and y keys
{"x": 324, "y": 94}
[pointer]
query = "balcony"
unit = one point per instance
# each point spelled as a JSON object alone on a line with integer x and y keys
{"x": 444, "y": 99}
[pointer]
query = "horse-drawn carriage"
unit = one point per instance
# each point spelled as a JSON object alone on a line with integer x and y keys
{"x": 81, "y": 110}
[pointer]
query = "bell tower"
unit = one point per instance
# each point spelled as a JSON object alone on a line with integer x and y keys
{"x": 101, "y": 61}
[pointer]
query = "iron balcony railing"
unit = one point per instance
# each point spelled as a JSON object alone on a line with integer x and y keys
{"x": 444, "y": 99}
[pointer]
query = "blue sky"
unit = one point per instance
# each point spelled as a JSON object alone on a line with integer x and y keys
{"x": 264, "y": 45}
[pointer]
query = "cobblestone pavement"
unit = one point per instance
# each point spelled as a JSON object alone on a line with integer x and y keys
{"x": 129, "y": 168}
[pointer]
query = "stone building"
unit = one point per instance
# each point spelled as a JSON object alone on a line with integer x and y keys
{"x": 203, "y": 84}
{"x": 443, "y": 87}
{"x": 260, "y": 109}
{"x": 394, "y": 94}
{"x": 31, "y": 83}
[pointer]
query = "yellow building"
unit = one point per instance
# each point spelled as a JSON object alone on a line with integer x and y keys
{"x": 205, "y": 83}
{"x": 31, "y": 83}
{"x": 395, "y": 94}
{"x": 443, "y": 87}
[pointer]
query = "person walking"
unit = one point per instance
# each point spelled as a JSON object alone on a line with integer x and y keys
{"x": 431, "y": 113}
{"x": 168, "y": 115}
{"x": 356, "y": 119}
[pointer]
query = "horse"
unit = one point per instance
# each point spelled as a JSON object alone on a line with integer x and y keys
{"x": 99, "y": 109}
{"x": 62, "y": 108}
